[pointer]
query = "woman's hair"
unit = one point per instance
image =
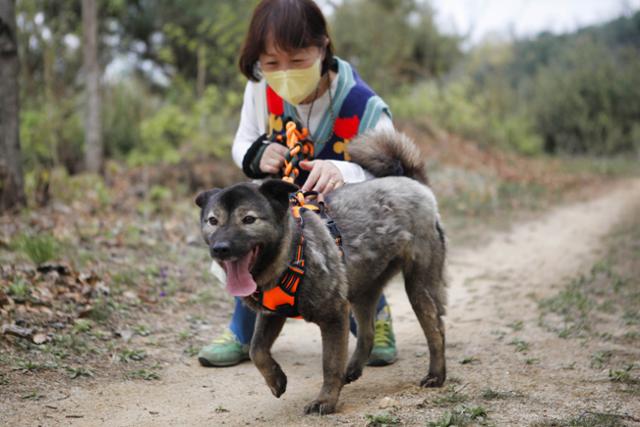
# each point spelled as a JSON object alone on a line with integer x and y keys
{"x": 293, "y": 24}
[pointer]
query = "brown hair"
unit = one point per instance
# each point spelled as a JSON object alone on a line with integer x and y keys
{"x": 294, "y": 24}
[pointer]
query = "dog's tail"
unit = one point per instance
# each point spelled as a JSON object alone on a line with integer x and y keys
{"x": 388, "y": 153}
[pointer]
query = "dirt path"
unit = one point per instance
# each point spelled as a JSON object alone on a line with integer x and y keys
{"x": 490, "y": 287}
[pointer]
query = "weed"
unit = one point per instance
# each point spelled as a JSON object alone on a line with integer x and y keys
{"x": 521, "y": 346}
{"x": 82, "y": 325}
{"x": 27, "y": 366}
{"x": 490, "y": 394}
{"x": 184, "y": 335}
{"x": 468, "y": 360}
{"x": 532, "y": 361}
{"x": 221, "y": 409}
{"x": 380, "y": 420}
{"x": 73, "y": 342}
{"x": 39, "y": 248}
{"x": 101, "y": 310}
{"x": 142, "y": 330}
{"x": 516, "y": 326}
{"x": 128, "y": 355}
{"x": 462, "y": 416}
{"x": 631, "y": 317}
{"x": 622, "y": 375}
{"x": 78, "y": 372}
{"x": 19, "y": 289}
{"x": 600, "y": 358}
{"x": 143, "y": 374}
{"x": 191, "y": 351}
{"x": 451, "y": 396}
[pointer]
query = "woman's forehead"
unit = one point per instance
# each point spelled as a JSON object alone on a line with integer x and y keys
{"x": 274, "y": 49}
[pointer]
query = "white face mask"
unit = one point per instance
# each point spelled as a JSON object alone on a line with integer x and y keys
{"x": 296, "y": 84}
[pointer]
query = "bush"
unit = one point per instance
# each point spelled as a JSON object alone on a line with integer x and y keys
{"x": 455, "y": 107}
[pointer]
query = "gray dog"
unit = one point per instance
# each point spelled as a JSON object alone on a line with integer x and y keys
{"x": 388, "y": 225}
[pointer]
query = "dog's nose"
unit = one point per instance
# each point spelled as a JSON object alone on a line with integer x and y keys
{"x": 221, "y": 249}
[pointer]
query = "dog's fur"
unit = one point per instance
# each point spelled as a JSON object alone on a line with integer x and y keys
{"x": 388, "y": 225}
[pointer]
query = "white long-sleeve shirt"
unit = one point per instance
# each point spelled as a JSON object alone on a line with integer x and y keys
{"x": 254, "y": 117}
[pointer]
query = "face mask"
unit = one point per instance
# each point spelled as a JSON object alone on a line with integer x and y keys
{"x": 296, "y": 84}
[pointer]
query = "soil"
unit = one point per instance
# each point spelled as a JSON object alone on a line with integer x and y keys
{"x": 495, "y": 343}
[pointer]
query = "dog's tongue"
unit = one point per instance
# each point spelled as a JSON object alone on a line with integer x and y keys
{"x": 240, "y": 283}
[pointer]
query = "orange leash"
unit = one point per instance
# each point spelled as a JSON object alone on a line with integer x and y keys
{"x": 300, "y": 148}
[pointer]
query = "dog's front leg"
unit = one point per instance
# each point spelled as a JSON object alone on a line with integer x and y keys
{"x": 266, "y": 331}
{"x": 335, "y": 339}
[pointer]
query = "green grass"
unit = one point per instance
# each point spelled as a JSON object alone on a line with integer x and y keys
{"x": 19, "y": 289}
{"x": 490, "y": 394}
{"x": 143, "y": 374}
{"x": 520, "y": 345}
{"x": 40, "y": 248}
{"x": 131, "y": 355}
{"x": 516, "y": 326}
{"x": 469, "y": 360}
{"x": 82, "y": 325}
{"x": 78, "y": 372}
{"x": 451, "y": 396}
{"x": 600, "y": 358}
{"x": 461, "y": 416}
{"x": 623, "y": 375}
{"x": 381, "y": 420}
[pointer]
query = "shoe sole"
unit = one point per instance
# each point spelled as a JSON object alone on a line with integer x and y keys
{"x": 381, "y": 362}
{"x": 206, "y": 363}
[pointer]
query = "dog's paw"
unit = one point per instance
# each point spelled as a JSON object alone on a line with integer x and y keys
{"x": 353, "y": 373}
{"x": 320, "y": 407}
{"x": 277, "y": 382}
{"x": 432, "y": 380}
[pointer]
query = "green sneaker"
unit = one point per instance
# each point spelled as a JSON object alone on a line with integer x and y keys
{"x": 384, "y": 350}
{"x": 226, "y": 350}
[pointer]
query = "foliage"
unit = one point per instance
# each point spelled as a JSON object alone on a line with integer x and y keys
{"x": 455, "y": 107}
{"x": 408, "y": 45}
{"x": 40, "y": 248}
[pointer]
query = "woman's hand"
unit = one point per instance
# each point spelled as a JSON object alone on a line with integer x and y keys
{"x": 324, "y": 177}
{"x": 272, "y": 159}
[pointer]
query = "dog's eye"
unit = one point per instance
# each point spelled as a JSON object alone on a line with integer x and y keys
{"x": 248, "y": 219}
{"x": 213, "y": 221}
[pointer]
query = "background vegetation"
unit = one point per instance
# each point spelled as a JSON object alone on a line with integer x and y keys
{"x": 171, "y": 90}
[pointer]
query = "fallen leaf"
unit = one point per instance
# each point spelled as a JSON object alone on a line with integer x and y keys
{"x": 40, "y": 338}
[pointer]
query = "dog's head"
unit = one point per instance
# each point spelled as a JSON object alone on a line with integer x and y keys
{"x": 243, "y": 226}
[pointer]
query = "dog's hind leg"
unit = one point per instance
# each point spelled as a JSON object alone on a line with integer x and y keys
{"x": 266, "y": 331}
{"x": 364, "y": 311}
{"x": 335, "y": 342}
{"x": 423, "y": 286}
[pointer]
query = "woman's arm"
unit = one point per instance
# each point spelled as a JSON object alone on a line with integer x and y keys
{"x": 248, "y": 130}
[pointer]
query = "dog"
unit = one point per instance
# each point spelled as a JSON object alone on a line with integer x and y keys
{"x": 388, "y": 225}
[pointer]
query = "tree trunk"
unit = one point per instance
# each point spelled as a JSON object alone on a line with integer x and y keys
{"x": 11, "y": 180}
{"x": 92, "y": 126}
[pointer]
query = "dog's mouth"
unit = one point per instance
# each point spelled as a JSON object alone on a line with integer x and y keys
{"x": 240, "y": 282}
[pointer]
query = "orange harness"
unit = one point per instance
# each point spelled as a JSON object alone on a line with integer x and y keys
{"x": 283, "y": 299}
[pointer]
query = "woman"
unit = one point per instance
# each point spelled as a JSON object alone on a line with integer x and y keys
{"x": 288, "y": 58}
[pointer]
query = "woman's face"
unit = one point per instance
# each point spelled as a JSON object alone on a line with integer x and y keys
{"x": 273, "y": 59}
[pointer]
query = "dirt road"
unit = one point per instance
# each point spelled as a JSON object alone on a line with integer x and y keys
{"x": 491, "y": 286}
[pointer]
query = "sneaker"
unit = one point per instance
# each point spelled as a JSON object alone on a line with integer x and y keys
{"x": 384, "y": 350}
{"x": 226, "y": 350}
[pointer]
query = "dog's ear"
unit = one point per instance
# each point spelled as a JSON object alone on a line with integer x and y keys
{"x": 277, "y": 192}
{"x": 202, "y": 198}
